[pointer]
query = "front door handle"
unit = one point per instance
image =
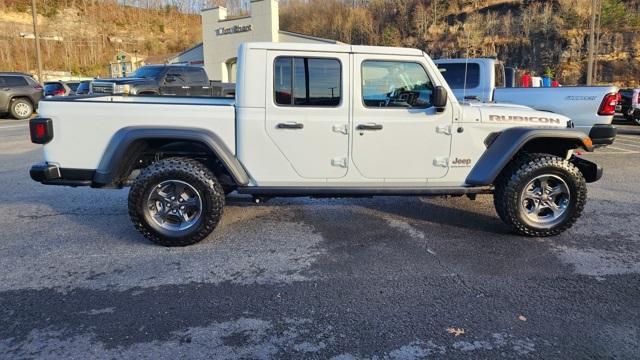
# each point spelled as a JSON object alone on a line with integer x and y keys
{"x": 290, "y": 125}
{"x": 369, "y": 127}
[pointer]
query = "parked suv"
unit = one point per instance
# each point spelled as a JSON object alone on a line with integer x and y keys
{"x": 177, "y": 80}
{"x": 629, "y": 104}
{"x": 19, "y": 94}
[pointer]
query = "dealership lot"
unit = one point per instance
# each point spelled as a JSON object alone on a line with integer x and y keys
{"x": 297, "y": 278}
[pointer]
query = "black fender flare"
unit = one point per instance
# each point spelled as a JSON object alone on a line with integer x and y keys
{"x": 510, "y": 141}
{"x": 119, "y": 144}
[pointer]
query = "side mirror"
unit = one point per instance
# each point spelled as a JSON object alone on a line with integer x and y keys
{"x": 169, "y": 78}
{"x": 439, "y": 98}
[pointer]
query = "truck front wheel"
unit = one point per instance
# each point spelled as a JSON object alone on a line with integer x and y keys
{"x": 176, "y": 202}
{"x": 540, "y": 195}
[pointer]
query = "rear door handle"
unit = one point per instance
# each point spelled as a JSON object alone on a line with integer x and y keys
{"x": 290, "y": 125}
{"x": 369, "y": 127}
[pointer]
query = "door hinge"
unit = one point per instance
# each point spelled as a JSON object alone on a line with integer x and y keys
{"x": 339, "y": 162}
{"x": 441, "y": 162}
{"x": 341, "y": 128}
{"x": 443, "y": 129}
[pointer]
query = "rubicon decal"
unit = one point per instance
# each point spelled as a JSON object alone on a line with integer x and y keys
{"x": 524, "y": 119}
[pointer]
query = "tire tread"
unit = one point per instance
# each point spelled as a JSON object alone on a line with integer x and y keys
{"x": 192, "y": 168}
{"x": 506, "y": 195}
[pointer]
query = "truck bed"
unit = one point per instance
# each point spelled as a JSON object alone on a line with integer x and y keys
{"x": 84, "y": 126}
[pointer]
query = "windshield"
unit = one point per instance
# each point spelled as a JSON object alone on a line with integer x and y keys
{"x": 73, "y": 85}
{"x": 83, "y": 87}
{"x": 51, "y": 87}
{"x": 147, "y": 72}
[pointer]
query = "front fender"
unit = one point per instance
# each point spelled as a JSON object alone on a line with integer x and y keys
{"x": 510, "y": 141}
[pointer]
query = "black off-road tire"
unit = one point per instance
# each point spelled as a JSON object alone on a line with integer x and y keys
{"x": 512, "y": 181}
{"x": 21, "y": 108}
{"x": 185, "y": 170}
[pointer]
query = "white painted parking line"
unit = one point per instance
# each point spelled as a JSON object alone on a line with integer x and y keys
{"x": 629, "y": 137}
{"x": 14, "y": 127}
{"x": 613, "y": 150}
{"x": 628, "y": 144}
{"x": 614, "y": 153}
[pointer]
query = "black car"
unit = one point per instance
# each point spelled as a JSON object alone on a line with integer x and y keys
{"x": 176, "y": 80}
{"x": 19, "y": 94}
{"x": 629, "y": 104}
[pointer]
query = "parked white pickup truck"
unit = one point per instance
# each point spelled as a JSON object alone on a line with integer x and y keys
{"x": 320, "y": 121}
{"x": 591, "y": 108}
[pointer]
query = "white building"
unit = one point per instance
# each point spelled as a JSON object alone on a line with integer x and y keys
{"x": 222, "y": 34}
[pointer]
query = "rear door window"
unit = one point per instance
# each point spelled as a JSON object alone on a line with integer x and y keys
{"x": 179, "y": 77}
{"x": 301, "y": 81}
{"x": 455, "y": 75}
{"x": 15, "y": 81}
{"x": 197, "y": 76}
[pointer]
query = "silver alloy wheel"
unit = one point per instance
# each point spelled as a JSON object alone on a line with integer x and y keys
{"x": 545, "y": 200}
{"x": 22, "y": 109}
{"x": 174, "y": 205}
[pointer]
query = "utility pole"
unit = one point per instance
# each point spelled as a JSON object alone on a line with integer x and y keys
{"x": 37, "y": 40}
{"x": 592, "y": 29}
{"x": 597, "y": 46}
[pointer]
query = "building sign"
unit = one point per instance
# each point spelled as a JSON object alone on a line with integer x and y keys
{"x": 233, "y": 30}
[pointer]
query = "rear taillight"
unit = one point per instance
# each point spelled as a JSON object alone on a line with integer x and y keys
{"x": 41, "y": 130}
{"x": 38, "y": 87}
{"x": 608, "y": 105}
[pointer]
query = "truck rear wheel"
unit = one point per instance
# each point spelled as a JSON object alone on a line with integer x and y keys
{"x": 540, "y": 195}
{"x": 176, "y": 202}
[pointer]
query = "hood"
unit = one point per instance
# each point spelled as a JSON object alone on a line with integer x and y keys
{"x": 516, "y": 115}
{"x": 124, "y": 81}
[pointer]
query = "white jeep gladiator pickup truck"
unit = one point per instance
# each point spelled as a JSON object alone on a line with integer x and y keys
{"x": 591, "y": 108}
{"x": 318, "y": 121}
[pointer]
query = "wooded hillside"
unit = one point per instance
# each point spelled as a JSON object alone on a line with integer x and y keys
{"x": 530, "y": 34}
{"x": 82, "y": 36}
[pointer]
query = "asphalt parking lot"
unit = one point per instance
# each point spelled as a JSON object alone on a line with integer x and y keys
{"x": 385, "y": 278}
